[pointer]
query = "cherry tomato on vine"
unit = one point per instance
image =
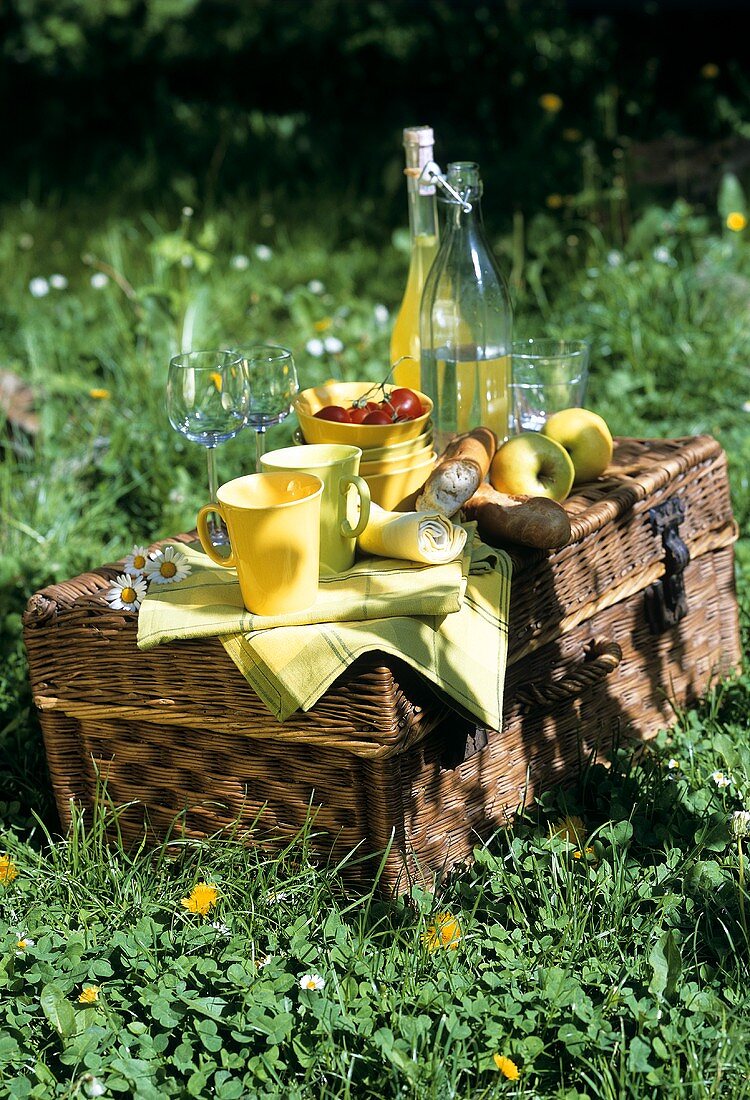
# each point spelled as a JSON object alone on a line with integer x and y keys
{"x": 334, "y": 412}
{"x": 379, "y": 416}
{"x": 405, "y": 403}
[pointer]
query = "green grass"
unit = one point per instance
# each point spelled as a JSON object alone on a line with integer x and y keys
{"x": 619, "y": 974}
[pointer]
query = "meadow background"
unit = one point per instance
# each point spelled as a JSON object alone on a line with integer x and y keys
{"x": 177, "y": 173}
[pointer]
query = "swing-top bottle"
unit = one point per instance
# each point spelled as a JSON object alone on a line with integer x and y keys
{"x": 465, "y": 320}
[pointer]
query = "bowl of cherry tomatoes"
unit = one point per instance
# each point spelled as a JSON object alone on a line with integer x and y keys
{"x": 364, "y": 414}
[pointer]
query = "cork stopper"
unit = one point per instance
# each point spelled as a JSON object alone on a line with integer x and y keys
{"x": 419, "y": 135}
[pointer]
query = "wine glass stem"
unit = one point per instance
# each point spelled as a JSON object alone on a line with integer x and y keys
{"x": 213, "y": 486}
{"x": 260, "y": 447}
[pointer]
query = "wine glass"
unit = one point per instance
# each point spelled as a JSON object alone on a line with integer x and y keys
{"x": 208, "y": 401}
{"x": 272, "y": 377}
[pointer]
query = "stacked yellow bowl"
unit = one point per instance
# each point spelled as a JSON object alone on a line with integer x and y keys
{"x": 396, "y": 458}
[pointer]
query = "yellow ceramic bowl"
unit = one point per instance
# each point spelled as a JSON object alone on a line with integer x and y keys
{"x": 307, "y": 403}
{"x": 395, "y": 462}
{"x": 391, "y": 490}
{"x": 399, "y": 450}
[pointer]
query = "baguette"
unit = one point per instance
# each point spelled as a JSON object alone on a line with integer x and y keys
{"x": 460, "y": 470}
{"x": 525, "y": 521}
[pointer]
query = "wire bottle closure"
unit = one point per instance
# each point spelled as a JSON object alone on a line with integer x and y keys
{"x": 432, "y": 174}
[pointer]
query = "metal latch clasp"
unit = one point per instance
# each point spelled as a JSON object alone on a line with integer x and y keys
{"x": 666, "y": 602}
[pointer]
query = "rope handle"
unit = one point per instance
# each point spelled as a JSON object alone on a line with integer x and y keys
{"x": 598, "y": 662}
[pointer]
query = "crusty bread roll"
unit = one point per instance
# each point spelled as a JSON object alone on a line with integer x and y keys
{"x": 525, "y": 521}
{"x": 459, "y": 472}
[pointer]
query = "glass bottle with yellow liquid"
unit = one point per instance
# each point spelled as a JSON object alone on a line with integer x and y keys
{"x": 423, "y": 231}
{"x": 466, "y": 319}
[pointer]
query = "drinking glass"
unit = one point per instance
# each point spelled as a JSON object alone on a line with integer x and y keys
{"x": 547, "y": 375}
{"x": 272, "y": 377}
{"x": 208, "y": 401}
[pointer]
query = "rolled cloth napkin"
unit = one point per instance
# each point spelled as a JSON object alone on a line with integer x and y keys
{"x": 426, "y": 537}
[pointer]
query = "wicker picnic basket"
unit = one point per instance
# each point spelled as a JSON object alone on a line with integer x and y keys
{"x": 634, "y": 618}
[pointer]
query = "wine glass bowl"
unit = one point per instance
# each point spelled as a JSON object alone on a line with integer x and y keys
{"x": 208, "y": 402}
{"x": 272, "y": 378}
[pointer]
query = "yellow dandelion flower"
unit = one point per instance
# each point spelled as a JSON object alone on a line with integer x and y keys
{"x": 8, "y": 870}
{"x": 554, "y": 202}
{"x": 736, "y": 221}
{"x": 710, "y": 71}
{"x": 570, "y": 828}
{"x": 202, "y": 898}
{"x": 89, "y": 995}
{"x": 551, "y": 103}
{"x": 100, "y": 394}
{"x": 323, "y": 325}
{"x": 571, "y": 134}
{"x": 444, "y": 932}
{"x": 507, "y": 1067}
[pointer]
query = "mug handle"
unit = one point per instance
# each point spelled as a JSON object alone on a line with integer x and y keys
{"x": 363, "y": 492}
{"x": 205, "y": 537}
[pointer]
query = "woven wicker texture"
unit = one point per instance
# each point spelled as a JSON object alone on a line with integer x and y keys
{"x": 177, "y": 730}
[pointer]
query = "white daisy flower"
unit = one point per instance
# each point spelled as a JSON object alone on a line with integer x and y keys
{"x": 662, "y": 255}
{"x": 333, "y": 345}
{"x": 720, "y": 779}
{"x": 614, "y": 258}
{"x": 240, "y": 262}
{"x": 99, "y": 280}
{"x": 92, "y": 1086}
{"x": 739, "y": 823}
{"x": 38, "y": 287}
{"x": 673, "y": 764}
{"x": 23, "y": 944}
{"x": 314, "y": 347}
{"x": 316, "y": 287}
{"x": 312, "y": 982}
{"x": 136, "y": 561}
{"x": 59, "y": 282}
{"x": 263, "y": 252}
{"x": 167, "y": 565}
{"x": 382, "y": 314}
{"x": 187, "y": 211}
{"x": 127, "y": 593}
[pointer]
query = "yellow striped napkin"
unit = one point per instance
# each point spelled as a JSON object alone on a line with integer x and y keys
{"x": 208, "y": 602}
{"x": 463, "y": 654}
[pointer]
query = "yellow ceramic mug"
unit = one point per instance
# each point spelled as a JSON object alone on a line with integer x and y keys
{"x": 337, "y": 466}
{"x": 273, "y": 522}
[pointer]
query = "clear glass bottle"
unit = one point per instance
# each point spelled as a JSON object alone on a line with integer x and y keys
{"x": 423, "y": 231}
{"x": 466, "y": 320}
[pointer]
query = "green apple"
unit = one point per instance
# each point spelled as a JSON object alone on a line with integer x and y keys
{"x": 587, "y": 439}
{"x": 531, "y": 465}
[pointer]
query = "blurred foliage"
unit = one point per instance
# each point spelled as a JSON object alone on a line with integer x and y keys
{"x": 201, "y": 95}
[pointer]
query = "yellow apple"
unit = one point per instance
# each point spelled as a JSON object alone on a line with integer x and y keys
{"x": 587, "y": 439}
{"x": 532, "y": 465}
